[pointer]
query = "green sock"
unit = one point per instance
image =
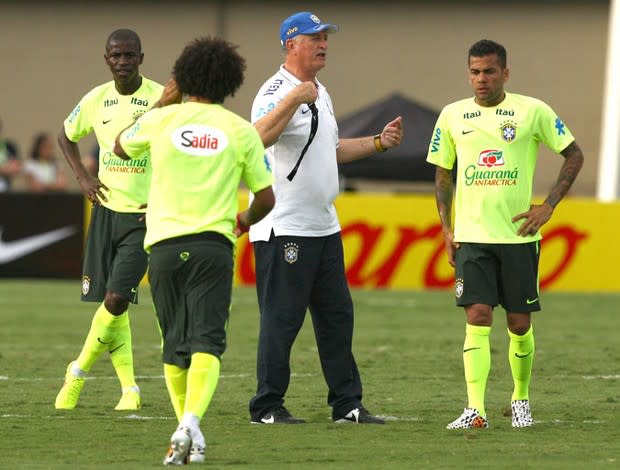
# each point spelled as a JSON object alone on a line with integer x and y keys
{"x": 477, "y": 363}
{"x": 176, "y": 383}
{"x": 121, "y": 352}
{"x": 100, "y": 336}
{"x": 521, "y": 359}
{"x": 202, "y": 378}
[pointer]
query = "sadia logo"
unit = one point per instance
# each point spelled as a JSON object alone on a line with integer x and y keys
{"x": 491, "y": 158}
{"x": 201, "y": 141}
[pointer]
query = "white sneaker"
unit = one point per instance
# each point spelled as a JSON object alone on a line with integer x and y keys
{"x": 471, "y": 418}
{"x": 180, "y": 445}
{"x": 521, "y": 414}
{"x": 197, "y": 454}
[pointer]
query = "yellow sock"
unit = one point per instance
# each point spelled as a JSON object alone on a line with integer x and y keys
{"x": 521, "y": 358}
{"x": 101, "y": 335}
{"x": 202, "y": 378}
{"x": 176, "y": 383}
{"x": 477, "y": 363}
{"x": 121, "y": 352}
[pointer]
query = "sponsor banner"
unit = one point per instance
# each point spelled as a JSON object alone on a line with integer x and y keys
{"x": 41, "y": 235}
{"x": 395, "y": 241}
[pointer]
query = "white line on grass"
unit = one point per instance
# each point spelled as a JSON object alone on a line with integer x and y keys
{"x": 170, "y": 418}
{"x": 138, "y": 417}
{"x": 400, "y": 418}
{"x": 146, "y": 418}
{"x": 603, "y": 377}
{"x": 109, "y": 377}
{"x": 141, "y": 377}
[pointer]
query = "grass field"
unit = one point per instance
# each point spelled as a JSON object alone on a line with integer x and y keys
{"x": 408, "y": 348}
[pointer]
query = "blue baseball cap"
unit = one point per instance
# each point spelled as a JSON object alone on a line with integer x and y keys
{"x": 303, "y": 23}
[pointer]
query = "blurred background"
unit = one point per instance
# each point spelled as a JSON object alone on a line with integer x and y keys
{"x": 52, "y": 53}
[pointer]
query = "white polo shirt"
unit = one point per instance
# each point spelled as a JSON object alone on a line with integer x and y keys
{"x": 304, "y": 206}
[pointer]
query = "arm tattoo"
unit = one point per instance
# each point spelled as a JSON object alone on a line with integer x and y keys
{"x": 444, "y": 190}
{"x": 573, "y": 161}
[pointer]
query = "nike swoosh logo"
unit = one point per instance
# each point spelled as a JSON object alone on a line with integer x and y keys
{"x": 469, "y": 349}
{"x": 466, "y": 132}
{"x": 520, "y": 356}
{"x": 355, "y": 414}
{"x": 116, "y": 348}
{"x": 529, "y": 302}
{"x": 10, "y": 251}
{"x": 269, "y": 420}
{"x": 103, "y": 342}
{"x": 105, "y": 122}
{"x": 304, "y": 111}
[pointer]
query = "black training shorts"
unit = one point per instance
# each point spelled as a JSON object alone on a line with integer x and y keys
{"x": 115, "y": 259}
{"x": 498, "y": 274}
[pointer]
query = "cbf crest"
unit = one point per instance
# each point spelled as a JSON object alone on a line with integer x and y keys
{"x": 509, "y": 131}
{"x": 85, "y": 285}
{"x": 136, "y": 114}
{"x": 458, "y": 288}
{"x": 291, "y": 252}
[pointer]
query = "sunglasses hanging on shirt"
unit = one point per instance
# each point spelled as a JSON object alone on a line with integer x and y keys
{"x": 314, "y": 125}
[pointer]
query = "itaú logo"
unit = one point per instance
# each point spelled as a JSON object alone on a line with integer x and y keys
{"x": 201, "y": 141}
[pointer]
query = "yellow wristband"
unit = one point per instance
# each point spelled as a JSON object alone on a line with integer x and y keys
{"x": 377, "y": 140}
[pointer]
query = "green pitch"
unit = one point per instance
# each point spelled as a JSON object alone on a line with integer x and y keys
{"x": 408, "y": 348}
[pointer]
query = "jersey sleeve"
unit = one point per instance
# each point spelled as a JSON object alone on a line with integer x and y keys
{"x": 441, "y": 149}
{"x": 136, "y": 140}
{"x": 80, "y": 122}
{"x": 551, "y": 129}
{"x": 257, "y": 173}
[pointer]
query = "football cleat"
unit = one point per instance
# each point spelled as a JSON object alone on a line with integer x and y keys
{"x": 197, "y": 454}
{"x": 278, "y": 416}
{"x": 69, "y": 394}
{"x": 358, "y": 416}
{"x": 470, "y": 419}
{"x": 130, "y": 400}
{"x": 521, "y": 414}
{"x": 180, "y": 445}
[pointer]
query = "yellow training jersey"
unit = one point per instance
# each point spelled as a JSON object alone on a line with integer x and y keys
{"x": 106, "y": 112}
{"x": 495, "y": 150}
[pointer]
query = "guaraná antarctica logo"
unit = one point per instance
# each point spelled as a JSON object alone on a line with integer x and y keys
{"x": 490, "y": 171}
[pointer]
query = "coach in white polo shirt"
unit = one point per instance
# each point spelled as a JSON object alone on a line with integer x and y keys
{"x": 298, "y": 249}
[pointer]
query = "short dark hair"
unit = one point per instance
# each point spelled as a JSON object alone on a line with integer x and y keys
{"x": 210, "y": 68}
{"x": 486, "y": 47}
{"x": 124, "y": 35}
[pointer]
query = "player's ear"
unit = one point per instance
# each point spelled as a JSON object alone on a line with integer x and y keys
{"x": 141, "y": 57}
{"x": 506, "y": 74}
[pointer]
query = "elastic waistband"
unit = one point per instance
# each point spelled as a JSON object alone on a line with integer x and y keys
{"x": 196, "y": 237}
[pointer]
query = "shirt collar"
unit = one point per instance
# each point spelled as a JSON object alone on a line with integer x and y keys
{"x": 294, "y": 80}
